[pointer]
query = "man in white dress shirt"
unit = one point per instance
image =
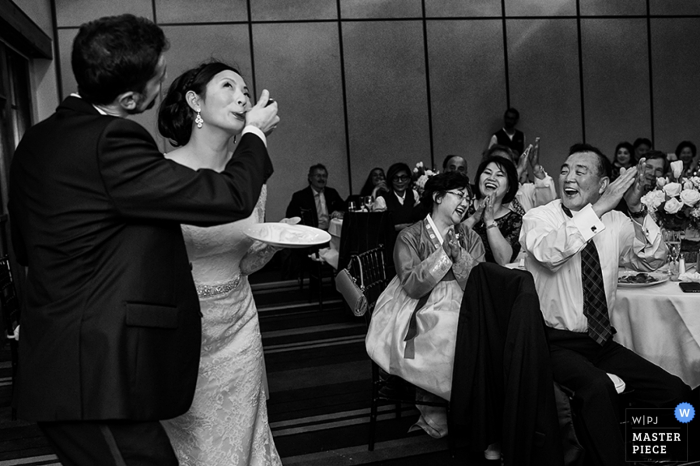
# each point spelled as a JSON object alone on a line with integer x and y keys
{"x": 556, "y": 236}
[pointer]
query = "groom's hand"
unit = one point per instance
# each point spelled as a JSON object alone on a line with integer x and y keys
{"x": 262, "y": 115}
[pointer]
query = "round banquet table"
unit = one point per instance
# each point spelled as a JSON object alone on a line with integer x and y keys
{"x": 662, "y": 324}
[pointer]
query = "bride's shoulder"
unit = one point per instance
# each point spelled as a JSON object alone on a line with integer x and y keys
{"x": 181, "y": 156}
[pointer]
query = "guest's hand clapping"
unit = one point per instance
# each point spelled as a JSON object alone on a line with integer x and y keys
{"x": 634, "y": 194}
{"x": 262, "y": 115}
{"x": 616, "y": 190}
{"x": 487, "y": 206}
{"x": 451, "y": 245}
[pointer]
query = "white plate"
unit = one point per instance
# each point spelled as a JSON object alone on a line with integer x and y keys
{"x": 658, "y": 277}
{"x": 288, "y": 236}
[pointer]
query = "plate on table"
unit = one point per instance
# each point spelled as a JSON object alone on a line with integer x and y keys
{"x": 633, "y": 279}
{"x": 288, "y": 236}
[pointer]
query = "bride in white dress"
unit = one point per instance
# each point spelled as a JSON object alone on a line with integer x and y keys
{"x": 227, "y": 422}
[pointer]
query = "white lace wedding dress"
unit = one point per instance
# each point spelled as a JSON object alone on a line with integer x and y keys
{"x": 227, "y": 422}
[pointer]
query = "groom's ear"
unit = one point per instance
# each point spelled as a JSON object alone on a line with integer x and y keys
{"x": 128, "y": 100}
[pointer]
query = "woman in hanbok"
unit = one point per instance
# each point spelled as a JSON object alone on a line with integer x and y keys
{"x": 227, "y": 423}
{"x": 433, "y": 259}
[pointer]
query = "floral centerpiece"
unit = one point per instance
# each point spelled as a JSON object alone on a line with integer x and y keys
{"x": 675, "y": 205}
{"x": 420, "y": 176}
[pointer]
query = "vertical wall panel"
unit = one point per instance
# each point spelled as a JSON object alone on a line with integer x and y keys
{"x": 467, "y": 86}
{"x": 675, "y": 71}
{"x": 451, "y": 8}
{"x": 185, "y": 11}
{"x": 540, "y": 7}
{"x": 73, "y": 13}
{"x": 612, "y": 8}
{"x": 276, "y": 10}
{"x": 616, "y": 81}
{"x": 674, "y": 7}
{"x": 300, "y": 65}
{"x": 355, "y": 9}
{"x": 544, "y": 84}
{"x": 386, "y": 95}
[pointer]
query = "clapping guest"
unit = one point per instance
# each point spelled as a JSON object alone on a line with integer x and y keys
{"x": 433, "y": 259}
{"x": 402, "y": 199}
{"x": 623, "y": 158}
{"x": 496, "y": 224}
{"x": 686, "y": 151}
{"x": 575, "y": 247}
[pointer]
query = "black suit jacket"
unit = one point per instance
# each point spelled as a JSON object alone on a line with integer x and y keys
{"x": 111, "y": 326}
{"x": 303, "y": 205}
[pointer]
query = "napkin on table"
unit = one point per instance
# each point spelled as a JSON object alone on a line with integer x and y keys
{"x": 689, "y": 277}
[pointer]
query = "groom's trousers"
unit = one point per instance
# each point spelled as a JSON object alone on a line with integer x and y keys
{"x": 110, "y": 443}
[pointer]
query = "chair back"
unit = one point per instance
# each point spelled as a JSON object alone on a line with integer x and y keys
{"x": 363, "y": 231}
{"x": 9, "y": 304}
{"x": 369, "y": 269}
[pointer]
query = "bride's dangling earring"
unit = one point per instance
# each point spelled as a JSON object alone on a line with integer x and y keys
{"x": 198, "y": 120}
{"x": 234, "y": 138}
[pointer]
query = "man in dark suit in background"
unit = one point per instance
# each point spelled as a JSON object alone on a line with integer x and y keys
{"x": 111, "y": 325}
{"x": 317, "y": 203}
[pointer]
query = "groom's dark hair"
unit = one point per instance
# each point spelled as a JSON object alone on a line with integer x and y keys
{"x": 116, "y": 54}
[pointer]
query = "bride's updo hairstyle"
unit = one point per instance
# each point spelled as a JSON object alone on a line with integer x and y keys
{"x": 441, "y": 183}
{"x": 175, "y": 116}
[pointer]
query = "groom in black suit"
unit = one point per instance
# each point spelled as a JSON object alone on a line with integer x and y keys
{"x": 111, "y": 325}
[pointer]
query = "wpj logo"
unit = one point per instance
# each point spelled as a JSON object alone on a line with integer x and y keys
{"x": 658, "y": 434}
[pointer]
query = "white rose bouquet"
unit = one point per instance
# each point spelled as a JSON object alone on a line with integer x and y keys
{"x": 420, "y": 176}
{"x": 675, "y": 205}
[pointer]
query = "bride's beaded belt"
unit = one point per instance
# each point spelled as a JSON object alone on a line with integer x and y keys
{"x": 206, "y": 291}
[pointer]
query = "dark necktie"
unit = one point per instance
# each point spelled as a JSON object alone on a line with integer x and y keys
{"x": 595, "y": 306}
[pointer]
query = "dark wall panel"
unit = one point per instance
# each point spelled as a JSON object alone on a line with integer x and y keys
{"x": 617, "y": 98}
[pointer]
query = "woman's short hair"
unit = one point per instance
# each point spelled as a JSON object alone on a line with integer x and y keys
{"x": 440, "y": 184}
{"x": 682, "y": 145}
{"x": 116, "y": 54}
{"x": 625, "y": 145}
{"x": 175, "y": 116}
{"x": 511, "y": 174}
{"x": 368, "y": 187}
{"x": 395, "y": 169}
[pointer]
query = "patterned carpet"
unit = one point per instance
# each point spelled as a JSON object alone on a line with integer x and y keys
{"x": 319, "y": 379}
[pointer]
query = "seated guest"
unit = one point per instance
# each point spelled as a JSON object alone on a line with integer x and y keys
{"x": 375, "y": 183}
{"x": 496, "y": 224}
{"x": 529, "y": 195}
{"x": 623, "y": 158}
{"x": 317, "y": 203}
{"x": 433, "y": 259}
{"x": 641, "y": 146}
{"x": 656, "y": 165}
{"x": 686, "y": 151}
{"x": 455, "y": 163}
{"x": 574, "y": 248}
{"x": 402, "y": 199}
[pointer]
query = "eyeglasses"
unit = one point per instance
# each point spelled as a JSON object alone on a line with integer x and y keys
{"x": 462, "y": 196}
{"x": 402, "y": 177}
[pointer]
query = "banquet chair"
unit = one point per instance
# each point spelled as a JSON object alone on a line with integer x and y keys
{"x": 10, "y": 310}
{"x": 386, "y": 388}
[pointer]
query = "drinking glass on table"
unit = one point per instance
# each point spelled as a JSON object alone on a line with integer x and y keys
{"x": 367, "y": 202}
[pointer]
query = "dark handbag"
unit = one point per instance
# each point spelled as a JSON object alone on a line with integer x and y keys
{"x": 353, "y": 293}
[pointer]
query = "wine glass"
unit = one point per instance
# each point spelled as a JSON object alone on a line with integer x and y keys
{"x": 367, "y": 202}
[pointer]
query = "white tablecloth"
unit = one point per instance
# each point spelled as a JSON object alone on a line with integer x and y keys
{"x": 331, "y": 254}
{"x": 662, "y": 324}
